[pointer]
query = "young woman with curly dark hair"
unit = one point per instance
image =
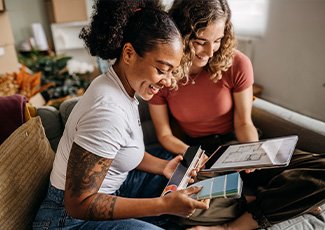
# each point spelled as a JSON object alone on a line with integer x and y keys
{"x": 103, "y": 139}
{"x": 213, "y": 106}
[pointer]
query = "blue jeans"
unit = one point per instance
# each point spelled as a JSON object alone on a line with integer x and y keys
{"x": 52, "y": 214}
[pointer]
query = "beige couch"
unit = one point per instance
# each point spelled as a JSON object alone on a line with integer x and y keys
{"x": 271, "y": 119}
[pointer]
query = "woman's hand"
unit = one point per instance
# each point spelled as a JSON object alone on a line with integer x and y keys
{"x": 201, "y": 164}
{"x": 203, "y": 159}
{"x": 249, "y": 170}
{"x": 180, "y": 203}
{"x": 171, "y": 166}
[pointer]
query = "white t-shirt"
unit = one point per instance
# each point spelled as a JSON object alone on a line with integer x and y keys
{"x": 105, "y": 122}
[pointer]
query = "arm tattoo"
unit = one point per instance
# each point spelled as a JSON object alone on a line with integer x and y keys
{"x": 104, "y": 210}
{"x": 85, "y": 174}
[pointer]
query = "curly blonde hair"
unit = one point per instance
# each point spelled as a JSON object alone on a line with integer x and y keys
{"x": 193, "y": 16}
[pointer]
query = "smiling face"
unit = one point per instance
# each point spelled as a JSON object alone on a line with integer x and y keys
{"x": 146, "y": 75}
{"x": 207, "y": 43}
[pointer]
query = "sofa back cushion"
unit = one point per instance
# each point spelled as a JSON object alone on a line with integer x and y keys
{"x": 12, "y": 114}
{"x": 66, "y": 108}
{"x": 26, "y": 160}
{"x": 52, "y": 124}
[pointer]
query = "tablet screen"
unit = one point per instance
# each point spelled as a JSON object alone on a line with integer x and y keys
{"x": 272, "y": 152}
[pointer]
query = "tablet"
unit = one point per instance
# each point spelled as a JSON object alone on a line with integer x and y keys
{"x": 266, "y": 153}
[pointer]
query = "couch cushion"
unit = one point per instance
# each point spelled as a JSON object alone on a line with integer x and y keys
{"x": 12, "y": 114}
{"x": 66, "y": 108}
{"x": 26, "y": 160}
{"x": 52, "y": 124}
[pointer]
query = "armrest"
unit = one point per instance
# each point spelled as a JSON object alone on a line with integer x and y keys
{"x": 274, "y": 120}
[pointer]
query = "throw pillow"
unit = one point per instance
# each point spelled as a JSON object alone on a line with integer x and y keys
{"x": 26, "y": 160}
{"x": 11, "y": 115}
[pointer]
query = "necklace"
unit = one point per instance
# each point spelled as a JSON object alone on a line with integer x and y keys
{"x": 192, "y": 79}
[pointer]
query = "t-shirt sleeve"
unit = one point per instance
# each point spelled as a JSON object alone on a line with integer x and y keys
{"x": 242, "y": 72}
{"x": 103, "y": 130}
{"x": 160, "y": 98}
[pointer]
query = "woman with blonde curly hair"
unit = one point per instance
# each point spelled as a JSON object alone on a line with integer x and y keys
{"x": 213, "y": 102}
{"x": 213, "y": 106}
{"x": 214, "y": 97}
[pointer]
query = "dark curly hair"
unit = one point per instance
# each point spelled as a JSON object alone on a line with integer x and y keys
{"x": 191, "y": 16}
{"x": 143, "y": 23}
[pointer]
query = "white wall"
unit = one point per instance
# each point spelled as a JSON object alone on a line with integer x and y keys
{"x": 289, "y": 60}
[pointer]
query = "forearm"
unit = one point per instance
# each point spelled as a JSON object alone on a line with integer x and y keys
{"x": 85, "y": 175}
{"x": 177, "y": 203}
{"x": 152, "y": 164}
{"x": 145, "y": 207}
{"x": 173, "y": 144}
{"x": 108, "y": 207}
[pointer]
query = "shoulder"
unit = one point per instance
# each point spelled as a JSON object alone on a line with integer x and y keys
{"x": 104, "y": 98}
{"x": 241, "y": 64}
{"x": 240, "y": 75}
{"x": 240, "y": 59}
{"x": 104, "y": 88}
